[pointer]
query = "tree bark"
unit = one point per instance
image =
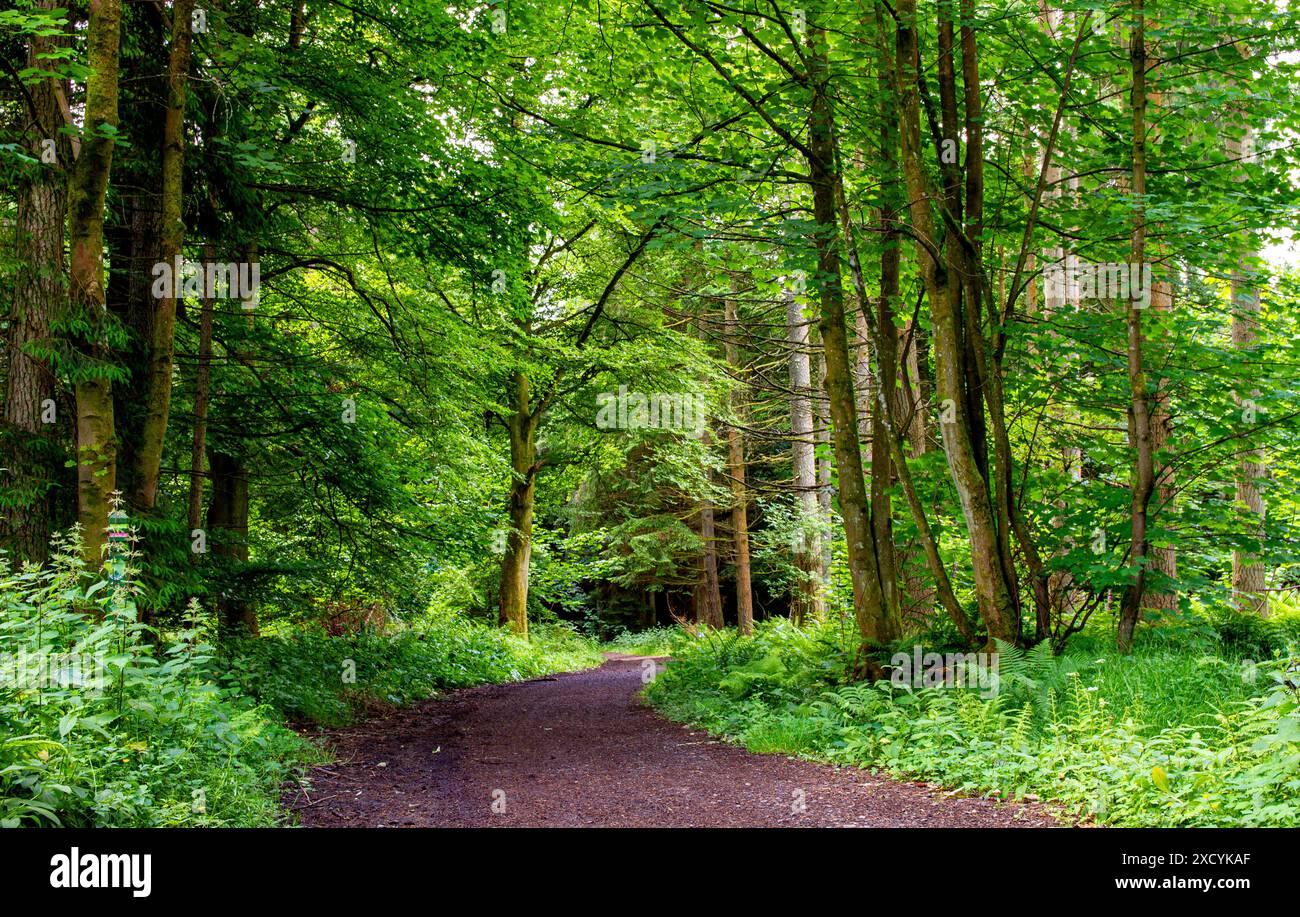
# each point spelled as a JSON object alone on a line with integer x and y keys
{"x": 876, "y": 625}
{"x": 962, "y": 434}
{"x": 739, "y": 493}
{"x": 822, "y": 435}
{"x": 96, "y": 445}
{"x": 1248, "y": 573}
{"x": 228, "y": 524}
{"x": 1142, "y": 477}
{"x": 522, "y": 425}
{"x": 707, "y": 594}
{"x": 158, "y": 386}
{"x": 807, "y": 601}
{"x": 31, "y": 466}
{"x": 202, "y": 393}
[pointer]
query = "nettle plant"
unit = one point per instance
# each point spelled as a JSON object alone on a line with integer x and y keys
{"x": 102, "y": 722}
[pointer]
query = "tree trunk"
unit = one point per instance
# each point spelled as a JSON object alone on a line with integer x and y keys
{"x": 96, "y": 446}
{"x": 1248, "y": 583}
{"x": 707, "y": 593}
{"x": 522, "y": 424}
{"x": 30, "y": 419}
{"x": 875, "y": 624}
{"x": 202, "y": 393}
{"x": 1139, "y": 412}
{"x": 807, "y": 601}
{"x": 824, "y": 470}
{"x": 736, "y": 464}
{"x": 158, "y": 386}
{"x": 228, "y": 526}
{"x": 962, "y": 433}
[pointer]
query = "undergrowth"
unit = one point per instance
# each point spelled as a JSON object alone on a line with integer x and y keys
{"x": 101, "y": 724}
{"x": 332, "y": 680}
{"x": 656, "y": 641}
{"x": 1162, "y": 737}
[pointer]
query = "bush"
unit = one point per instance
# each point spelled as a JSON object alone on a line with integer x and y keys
{"x": 1252, "y": 636}
{"x": 100, "y": 724}
{"x": 97, "y": 726}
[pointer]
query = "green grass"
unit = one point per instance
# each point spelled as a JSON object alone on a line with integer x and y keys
{"x": 1164, "y": 737}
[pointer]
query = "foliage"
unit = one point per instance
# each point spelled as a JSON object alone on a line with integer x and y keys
{"x": 1164, "y": 737}
{"x": 331, "y": 680}
{"x": 654, "y": 641}
{"x": 100, "y": 727}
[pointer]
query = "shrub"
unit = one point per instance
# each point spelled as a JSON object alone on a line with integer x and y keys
{"x": 100, "y": 726}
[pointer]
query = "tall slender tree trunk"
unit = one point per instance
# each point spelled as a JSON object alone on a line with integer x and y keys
{"x": 1248, "y": 582}
{"x": 202, "y": 394}
{"x": 807, "y": 601}
{"x": 707, "y": 593}
{"x": 1164, "y": 557}
{"x": 158, "y": 386}
{"x": 943, "y": 277}
{"x": 1142, "y": 479}
{"x": 908, "y": 357}
{"x": 875, "y": 624}
{"x": 96, "y": 444}
{"x": 228, "y": 509}
{"x": 824, "y": 460}
{"x": 736, "y": 465}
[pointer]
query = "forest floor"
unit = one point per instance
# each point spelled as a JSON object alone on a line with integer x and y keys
{"x": 581, "y": 749}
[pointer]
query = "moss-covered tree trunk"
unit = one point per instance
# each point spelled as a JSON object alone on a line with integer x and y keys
{"x": 875, "y": 624}
{"x": 96, "y": 444}
{"x": 522, "y": 426}
{"x": 158, "y": 386}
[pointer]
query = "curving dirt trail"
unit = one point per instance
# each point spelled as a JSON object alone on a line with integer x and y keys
{"x": 581, "y": 749}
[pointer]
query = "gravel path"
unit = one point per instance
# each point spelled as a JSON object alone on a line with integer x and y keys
{"x": 581, "y": 749}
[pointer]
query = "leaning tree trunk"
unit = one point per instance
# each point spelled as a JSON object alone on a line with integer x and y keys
{"x": 96, "y": 445}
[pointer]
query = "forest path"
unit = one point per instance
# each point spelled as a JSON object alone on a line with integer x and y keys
{"x": 581, "y": 749}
